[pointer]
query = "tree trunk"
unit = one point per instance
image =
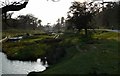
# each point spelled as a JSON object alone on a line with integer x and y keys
{"x": 86, "y": 32}
{"x": 12, "y": 7}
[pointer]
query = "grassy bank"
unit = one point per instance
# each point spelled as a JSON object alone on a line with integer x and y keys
{"x": 27, "y": 48}
{"x": 16, "y": 32}
{"x": 99, "y": 57}
{"x": 96, "y": 55}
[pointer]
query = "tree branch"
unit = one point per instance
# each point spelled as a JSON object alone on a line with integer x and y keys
{"x": 14, "y": 7}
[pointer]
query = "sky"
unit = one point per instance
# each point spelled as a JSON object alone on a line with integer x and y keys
{"x": 47, "y": 10}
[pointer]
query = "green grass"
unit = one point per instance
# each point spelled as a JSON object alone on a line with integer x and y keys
{"x": 27, "y": 48}
{"x": 15, "y": 32}
{"x": 108, "y": 35}
{"x": 81, "y": 57}
{"x": 101, "y": 56}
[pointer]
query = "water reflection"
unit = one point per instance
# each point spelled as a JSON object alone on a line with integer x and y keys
{"x": 20, "y": 67}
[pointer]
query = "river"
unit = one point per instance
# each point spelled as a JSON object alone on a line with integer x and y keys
{"x": 19, "y": 67}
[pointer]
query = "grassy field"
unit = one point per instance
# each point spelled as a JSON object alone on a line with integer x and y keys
{"x": 99, "y": 57}
{"x": 98, "y": 54}
{"x": 27, "y": 48}
{"x": 15, "y": 32}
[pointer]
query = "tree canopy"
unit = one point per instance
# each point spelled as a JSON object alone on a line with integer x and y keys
{"x": 81, "y": 15}
{"x": 110, "y": 16}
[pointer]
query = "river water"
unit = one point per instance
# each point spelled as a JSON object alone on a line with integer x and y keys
{"x": 19, "y": 67}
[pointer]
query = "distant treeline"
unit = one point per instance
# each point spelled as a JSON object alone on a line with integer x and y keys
{"x": 108, "y": 17}
{"x": 21, "y": 22}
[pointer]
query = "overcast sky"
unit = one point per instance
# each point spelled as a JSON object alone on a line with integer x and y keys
{"x": 46, "y": 10}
